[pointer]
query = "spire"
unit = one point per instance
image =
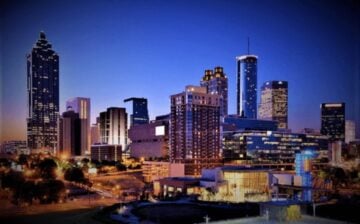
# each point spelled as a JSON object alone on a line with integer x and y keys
{"x": 42, "y": 35}
{"x": 248, "y": 42}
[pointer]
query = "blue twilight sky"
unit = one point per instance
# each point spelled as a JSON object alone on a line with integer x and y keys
{"x": 110, "y": 50}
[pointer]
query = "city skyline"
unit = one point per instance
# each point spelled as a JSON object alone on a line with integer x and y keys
{"x": 104, "y": 54}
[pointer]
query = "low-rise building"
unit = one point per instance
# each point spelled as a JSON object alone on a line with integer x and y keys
{"x": 155, "y": 170}
{"x": 150, "y": 140}
{"x": 106, "y": 152}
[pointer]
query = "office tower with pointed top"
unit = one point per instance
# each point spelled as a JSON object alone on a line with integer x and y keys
{"x": 43, "y": 96}
{"x": 216, "y": 82}
{"x": 246, "y": 91}
{"x": 274, "y": 102}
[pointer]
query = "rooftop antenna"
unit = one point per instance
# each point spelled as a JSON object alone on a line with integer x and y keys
{"x": 248, "y": 39}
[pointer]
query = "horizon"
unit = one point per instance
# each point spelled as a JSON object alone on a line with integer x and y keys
{"x": 177, "y": 48}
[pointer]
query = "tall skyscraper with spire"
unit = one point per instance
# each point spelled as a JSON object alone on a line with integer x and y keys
{"x": 246, "y": 91}
{"x": 216, "y": 82}
{"x": 43, "y": 96}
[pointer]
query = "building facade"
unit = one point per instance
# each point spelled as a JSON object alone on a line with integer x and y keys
{"x": 216, "y": 82}
{"x": 333, "y": 121}
{"x": 43, "y": 96}
{"x": 150, "y": 140}
{"x": 195, "y": 129}
{"x": 236, "y": 122}
{"x": 81, "y": 105}
{"x": 271, "y": 146}
{"x": 113, "y": 127}
{"x": 246, "y": 84}
{"x": 155, "y": 170}
{"x": 70, "y": 133}
{"x": 106, "y": 152}
{"x": 140, "y": 114}
{"x": 274, "y": 102}
{"x": 349, "y": 131}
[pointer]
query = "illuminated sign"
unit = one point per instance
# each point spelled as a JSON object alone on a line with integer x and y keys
{"x": 160, "y": 130}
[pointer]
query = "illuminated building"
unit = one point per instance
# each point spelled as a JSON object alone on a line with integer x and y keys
{"x": 274, "y": 102}
{"x": 246, "y": 90}
{"x": 150, "y": 140}
{"x": 235, "y": 184}
{"x": 140, "y": 114}
{"x": 270, "y": 146}
{"x": 106, "y": 152}
{"x": 155, "y": 170}
{"x": 303, "y": 176}
{"x": 113, "y": 127}
{"x": 14, "y": 147}
{"x": 81, "y": 106}
{"x": 335, "y": 149}
{"x": 70, "y": 134}
{"x": 43, "y": 96}
{"x": 333, "y": 121}
{"x": 217, "y": 83}
{"x": 349, "y": 131}
{"x": 195, "y": 129}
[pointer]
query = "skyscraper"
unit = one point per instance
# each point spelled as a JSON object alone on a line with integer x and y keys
{"x": 140, "y": 114}
{"x": 247, "y": 86}
{"x": 113, "y": 127}
{"x": 274, "y": 102}
{"x": 43, "y": 96}
{"x": 333, "y": 121}
{"x": 70, "y": 132}
{"x": 81, "y": 106}
{"x": 195, "y": 129}
{"x": 217, "y": 83}
{"x": 349, "y": 131}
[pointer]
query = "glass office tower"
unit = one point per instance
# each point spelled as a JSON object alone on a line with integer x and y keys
{"x": 247, "y": 86}
{"x": 43, "y": 96}
{"x": 333, "y": 121}
{"x": 140, "y": 114}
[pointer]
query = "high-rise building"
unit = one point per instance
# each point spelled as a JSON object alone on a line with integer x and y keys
{"x": 113, "y": 127}
{"x": 247, "y": 86}
{"x": 195, "y": 129}
{"x": 333, "y": 121}
{"x": 217, "y": 83}
{"x": 81, "y": 105}
{"x": 349, "y": 131}
{"x": 274, "y": 102}
{"x": 140, "y": 114}
{"x": 43, "y": 96}
{"x": 95, "y": 133}
{"x": 70, "y": 143}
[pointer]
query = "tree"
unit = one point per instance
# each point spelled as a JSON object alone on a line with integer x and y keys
{"x": 74, "y": 174}
{"x": 120, "y": 167}
{"x": 47, "y": 169}
{"x": 23, "y": 159}
{"x": 12, "y": 180}
{"x": 51, "y": 190}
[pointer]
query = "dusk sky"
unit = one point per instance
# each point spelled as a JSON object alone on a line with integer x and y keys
{"x": 112, "y": 50}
